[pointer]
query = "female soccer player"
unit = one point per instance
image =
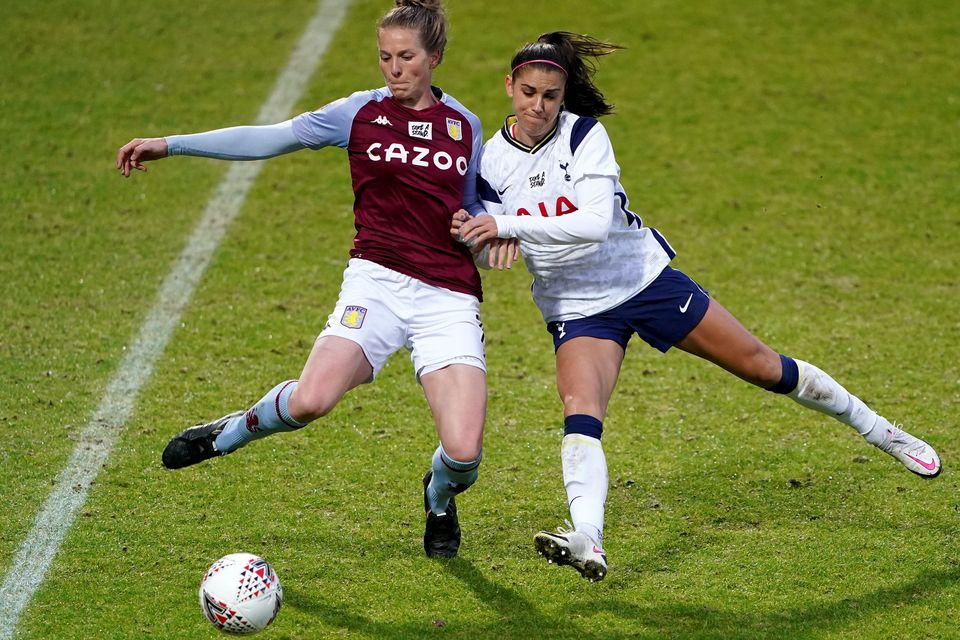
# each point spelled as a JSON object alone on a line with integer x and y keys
{"x": 551, "y": 179}
{"x": 413, "y": 154}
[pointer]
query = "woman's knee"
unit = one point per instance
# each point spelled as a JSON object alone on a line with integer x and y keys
{"x": 464, "y": 444}
{"x": 463, "y": 452}
{"x": 582, "y": 401}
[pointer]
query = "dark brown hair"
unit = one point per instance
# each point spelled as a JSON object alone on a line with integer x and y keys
{"x": 576, "y": 54}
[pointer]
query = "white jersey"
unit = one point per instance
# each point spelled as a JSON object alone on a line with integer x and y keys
{"x": 574, "y": 277}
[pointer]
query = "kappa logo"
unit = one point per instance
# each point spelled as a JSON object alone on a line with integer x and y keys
{"x": 353, "y": 317}
{"x": 454, "y": 129}
{"x": 538, "y": 180}
{"x": 422, "y": 130}
{"x": 382, "y": 120}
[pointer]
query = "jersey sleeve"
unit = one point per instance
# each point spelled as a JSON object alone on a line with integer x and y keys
{"x": 594, "y": 156}
{"x": 487, "y": 192}
{"x": 590, "y": 224}
{"x": 471, "y": 196}
{"x": 237, "y": 143}
{"x": 593, "y": 173}
{"x": 330, "y": 125}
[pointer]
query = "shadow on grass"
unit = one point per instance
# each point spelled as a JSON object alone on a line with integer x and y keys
{"x": 701, "y": 623}
{"x": 518, "y": 615}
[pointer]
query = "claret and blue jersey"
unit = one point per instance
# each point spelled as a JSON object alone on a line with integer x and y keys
{"x": 411, "y": 170}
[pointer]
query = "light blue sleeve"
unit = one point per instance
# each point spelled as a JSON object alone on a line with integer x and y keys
{"x": 237, "y": 143}
{"x": 471, "y": 199}
{"x": 471, "y": 196}
{"x": 330, "y": 125}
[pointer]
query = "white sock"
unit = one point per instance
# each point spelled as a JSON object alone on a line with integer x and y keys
{"x": 817, "y": 390}
{"x": 585, "y": 479}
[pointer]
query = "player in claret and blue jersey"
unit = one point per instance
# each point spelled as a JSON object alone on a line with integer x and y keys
{"x": 413, "y": 155}
{"x": 551, "y": 179}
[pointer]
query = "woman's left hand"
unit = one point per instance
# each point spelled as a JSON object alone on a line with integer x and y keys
{"x": 459, "y": 218}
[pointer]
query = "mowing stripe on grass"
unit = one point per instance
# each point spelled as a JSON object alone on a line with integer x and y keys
{"x": 34, "y": 556}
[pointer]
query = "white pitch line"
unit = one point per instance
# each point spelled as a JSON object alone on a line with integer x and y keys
{"x": 41, "y": 545}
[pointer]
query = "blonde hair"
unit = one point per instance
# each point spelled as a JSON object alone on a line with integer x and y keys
{"x": 423, "y": 16}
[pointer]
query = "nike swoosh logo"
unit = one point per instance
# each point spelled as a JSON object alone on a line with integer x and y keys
{"x": 686, "y": 305}
{"x": 502, "y": 192}
{"x": 929, "y": 466}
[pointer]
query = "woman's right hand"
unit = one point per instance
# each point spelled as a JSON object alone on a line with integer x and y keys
{"x": 503, "y": 252}
{"x": 139, "y": 150}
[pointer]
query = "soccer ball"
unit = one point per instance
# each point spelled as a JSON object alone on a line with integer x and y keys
{"x": 240, "y": 593}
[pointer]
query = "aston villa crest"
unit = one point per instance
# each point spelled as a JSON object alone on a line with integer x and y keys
{"x": 455, "y": 129}
{"x": 353, "y": 317}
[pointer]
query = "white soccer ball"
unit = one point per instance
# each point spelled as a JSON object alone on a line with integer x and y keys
{"x": 240, "y": 593}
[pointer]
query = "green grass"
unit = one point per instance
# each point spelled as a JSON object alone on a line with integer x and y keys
{"x": 802, "y": 158}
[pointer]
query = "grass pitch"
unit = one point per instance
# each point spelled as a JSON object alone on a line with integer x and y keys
{"x": 802, "y": 158}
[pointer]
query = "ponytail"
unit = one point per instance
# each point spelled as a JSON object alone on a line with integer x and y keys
{"x": 423, "y": 16}
{"x": 575, "y": 55}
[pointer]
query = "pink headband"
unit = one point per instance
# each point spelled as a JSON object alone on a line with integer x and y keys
{"x": 550, "y": 62}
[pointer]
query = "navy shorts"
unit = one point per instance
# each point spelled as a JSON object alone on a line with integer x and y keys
{"x": 662, "y": 314}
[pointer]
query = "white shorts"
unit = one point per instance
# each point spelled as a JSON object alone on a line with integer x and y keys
{"x": 382, "y": 310}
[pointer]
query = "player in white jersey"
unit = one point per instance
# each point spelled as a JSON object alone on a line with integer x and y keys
{"x": 412, "y": 150}
{"x": 550, "y": 179}
{"x": 574, "y": 279}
